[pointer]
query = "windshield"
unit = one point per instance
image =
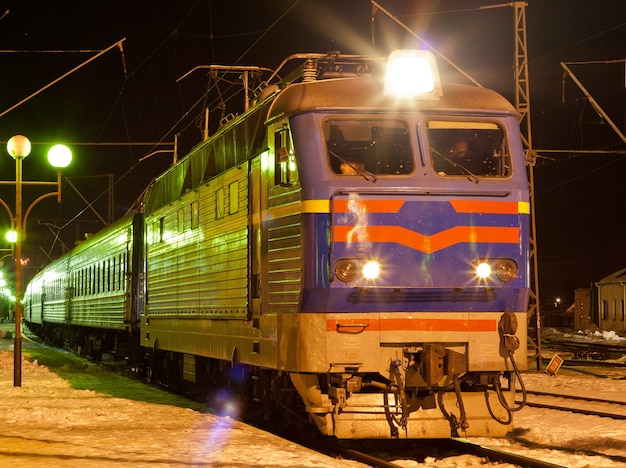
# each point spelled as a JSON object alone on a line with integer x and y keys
{"x": 368, "y": 147}
{"x": 468, "y": 149}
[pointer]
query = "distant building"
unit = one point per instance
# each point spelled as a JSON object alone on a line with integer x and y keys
{"x": 612, "y": 302}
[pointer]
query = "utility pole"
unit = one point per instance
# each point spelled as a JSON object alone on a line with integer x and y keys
{"x": 522, "y": 104}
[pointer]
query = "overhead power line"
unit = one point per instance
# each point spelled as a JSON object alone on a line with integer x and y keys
{"x": 118, "y": 44}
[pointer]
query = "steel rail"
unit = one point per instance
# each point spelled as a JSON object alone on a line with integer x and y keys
{"x": 501, "y": 456}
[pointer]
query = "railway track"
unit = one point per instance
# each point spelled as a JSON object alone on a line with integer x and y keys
{"x": 387, "y": 451}
{"x": 594, "y": 406}
{"x": 596, "y": 350}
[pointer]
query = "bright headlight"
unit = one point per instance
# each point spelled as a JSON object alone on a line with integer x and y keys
{"x": 371, "y": 270}
{"x": 483, "y": 270}
{"x": 505, "y": 269}
{"x": 412, "y": 73}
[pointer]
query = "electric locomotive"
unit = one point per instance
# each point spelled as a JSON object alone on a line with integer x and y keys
{"x": 363, "y": 242}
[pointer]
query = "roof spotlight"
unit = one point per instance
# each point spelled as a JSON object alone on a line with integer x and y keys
{"x": 411, "y": 74}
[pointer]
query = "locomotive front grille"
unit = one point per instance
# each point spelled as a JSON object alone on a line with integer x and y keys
{"x": 378, "y": 295}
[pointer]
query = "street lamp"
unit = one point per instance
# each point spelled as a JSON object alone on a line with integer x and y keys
{"x": 59, "y": 157}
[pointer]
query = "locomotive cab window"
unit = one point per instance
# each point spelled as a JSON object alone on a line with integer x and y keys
{"x": 470, "y": 149}
{"x": 368, "y": 147}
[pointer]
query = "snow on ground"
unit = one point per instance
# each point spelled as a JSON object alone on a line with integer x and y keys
{"x": 47, "y": 423}
{"x": 579, "y": 439}
{"x": 607, "y": 336}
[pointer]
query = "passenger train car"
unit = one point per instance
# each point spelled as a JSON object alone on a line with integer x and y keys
{"x": 93, "y": 296}
{"x": 362, "y": 244}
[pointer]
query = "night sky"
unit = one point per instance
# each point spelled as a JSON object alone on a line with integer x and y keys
{"x": 131, "y": 95}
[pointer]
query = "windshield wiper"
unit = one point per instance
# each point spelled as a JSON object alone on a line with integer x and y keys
{"x": 470, "y": 175}
{"x": 367, "y": 175}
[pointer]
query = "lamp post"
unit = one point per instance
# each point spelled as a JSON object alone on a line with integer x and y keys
{"x": 59, "y": 157}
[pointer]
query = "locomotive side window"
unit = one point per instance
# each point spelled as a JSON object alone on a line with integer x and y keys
{"x": 471, "y": 149}
{"x": 219, "y": 203}
{"x": 181, "y": 220}
{"x": 285, "y": 161}
{"x": 156, "y": 231}
{"x": 195, "y": 215}
{"x": 233, "y": 197}
{"x": 368, "y": 147}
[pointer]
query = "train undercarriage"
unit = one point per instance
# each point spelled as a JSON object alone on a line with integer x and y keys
{"x": 432, "y": 396}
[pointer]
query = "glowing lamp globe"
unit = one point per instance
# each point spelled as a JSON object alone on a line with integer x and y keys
{"x": 59, "y": 156}
{"x": 11, "y": 236}
{"x": 18, "y": 146}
